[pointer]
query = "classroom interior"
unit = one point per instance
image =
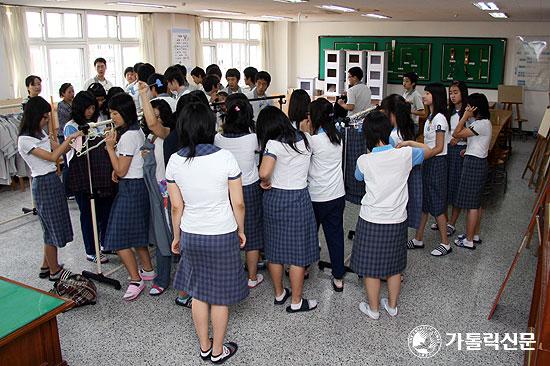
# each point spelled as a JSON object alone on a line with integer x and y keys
{"x": 309, "y": 45}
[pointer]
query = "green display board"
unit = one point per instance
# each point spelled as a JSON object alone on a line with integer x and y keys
{"x": 430, "y": 57}
{"x": 23, "y": 305}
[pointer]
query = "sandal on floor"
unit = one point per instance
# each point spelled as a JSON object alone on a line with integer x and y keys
{"x": 134, "y": 290}
{"x": 156, "y": 290}
{"x": 255, "y": 283}
{"x": 440, "y": 251}
{"x": 287, "y": 295}
{"x": 305, "y": 307}
{"x": 229, "y": 349}
{"x": 205, "y": 355}
{"x": 463, "y": 236}
{"x": 412, "y": 245}
{"x": 460, "y": 243}
{"x": 184, "y": 301}
{"x": 336, "y": 288}
{"x": 45, "y": 271}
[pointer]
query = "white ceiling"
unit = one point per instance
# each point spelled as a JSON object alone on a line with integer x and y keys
{"x": 400, "y": 10}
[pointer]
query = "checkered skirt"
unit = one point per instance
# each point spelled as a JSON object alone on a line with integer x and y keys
{"x": 253, "y": 219}
{"x": 414, "y": 205}
{"x": 454, "y": 171}
{"x": 379, "y": 250}
{"x": 50, "y": 202}
{"x": 472, "y": 182}
{"x": 434, "y": 185}
{"x": 356, "y": 146}
{"x": 210, "y": 268}
{"x": 290, "y": 230}
{"x": 128, "y": 225}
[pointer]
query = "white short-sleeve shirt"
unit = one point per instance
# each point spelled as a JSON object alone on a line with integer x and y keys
{"x": 130, "y": 144}
{"x": 203, "y": 182}
{"x": 455, "y": 118}
{"x": 258, "y": 105}
{"x": 478, "y": 145}
{"x": 291, "y": 168}
{"x": 359, "y": 95}
{"x": 432, "y": 127}
{"x": 415, "y": 100}
{"x": 25, "y": 146}
{"x": 244, "y": 148}
{"x": 325, "y": 177}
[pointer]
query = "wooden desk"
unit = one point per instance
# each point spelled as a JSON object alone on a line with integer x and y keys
{"x": 28, "y": 325}
{"x": 501, "y": 120}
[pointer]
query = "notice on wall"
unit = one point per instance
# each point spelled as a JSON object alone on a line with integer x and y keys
{"x": 532, "y": 69}
{"x": 181, "y": 47}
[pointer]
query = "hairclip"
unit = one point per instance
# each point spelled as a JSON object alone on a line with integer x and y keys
{"x": 331, "y": 114}
{"x": 237, "y": 109}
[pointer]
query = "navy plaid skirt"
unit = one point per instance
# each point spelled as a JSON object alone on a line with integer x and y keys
{"x": 128, "y": 225}
{"x": 290, "y": 230}
{"x": 210, "y": 268}
{"x": 472, "y": 182}
{"x": 253, "y": 218}
{"x": 434, "y": 185}
{"x": 414, "y": 205}
{"x": 379, "y": 250}
{"x": 355, "y": 146}
{"x": 454, "y": 171}
{"x": 49, "y": 198}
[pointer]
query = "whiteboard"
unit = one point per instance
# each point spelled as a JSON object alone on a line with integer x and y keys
{"x": 545, "y": 124}
{"x": 532, "y": 62}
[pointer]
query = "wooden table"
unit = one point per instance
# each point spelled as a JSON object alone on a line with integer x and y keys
{"x": 500, "y": 119}
{"x": 28, "y": 325}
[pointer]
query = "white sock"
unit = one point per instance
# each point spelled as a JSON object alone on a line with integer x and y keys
{"x": 476, "y": 237}
{"x": 447, "y": 246}
{"x": 417, "y": 242}
{"x": 451, "y": 226}
{"x": 467, "y": 243}
{"x": 296, "y": 306}
{"x": 151, "y": 272}
{"x": 281, "y": 297}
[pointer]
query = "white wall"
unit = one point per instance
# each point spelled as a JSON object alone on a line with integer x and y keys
{"x": 304, "y": 49}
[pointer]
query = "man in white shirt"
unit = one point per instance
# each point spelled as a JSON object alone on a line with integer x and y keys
{"x": 358, "y": 94}
{"x": 100, "y": 65}
{"x": 263, "y": 79}
{"x": 211, "y": 84}
{"x": 413, "y": 97}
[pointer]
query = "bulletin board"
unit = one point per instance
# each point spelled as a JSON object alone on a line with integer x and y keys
{"x": 430, "y": 57}
{"x": 532, "y": 62}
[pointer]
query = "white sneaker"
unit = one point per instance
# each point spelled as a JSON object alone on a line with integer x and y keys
{"x": 259, "y": 279}
{"x": 385, "y": 303}
{"x": 365, "y": 308}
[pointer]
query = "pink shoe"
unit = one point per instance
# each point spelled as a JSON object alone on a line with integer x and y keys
{"x": 133, "y": 291}
{"x": 147, "y": 275}
{"x": 259, "y": 279}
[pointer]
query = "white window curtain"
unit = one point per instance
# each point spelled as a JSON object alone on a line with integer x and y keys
{"x": 146, "y": 42}
{"x": 268, "y": 29}
{"x": 16, "y": 43}
{"x": 198, "y": 45}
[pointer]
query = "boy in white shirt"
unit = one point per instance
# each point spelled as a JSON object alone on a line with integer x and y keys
{"x": 249, "y": 78}
{"x": 263, "y": 79}
{"x": 233, "y": 76}
{"x": 413, "y": 97}
{"x": 358, "y": 94}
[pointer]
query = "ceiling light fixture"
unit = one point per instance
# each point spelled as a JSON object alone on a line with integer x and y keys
{"x": 145, "y": 5}
{"x": 337, "y": 8}
{"x": 274, "y": 17}
{"x": 225, "y": 12}
{"x": 376, "y": 16}
{"x": 486, "y": 6}
{"x": 291, "y": 1}
{"x": 499, "y": 15}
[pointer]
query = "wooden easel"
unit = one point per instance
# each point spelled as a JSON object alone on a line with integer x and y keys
{"x": 539, "y": 155}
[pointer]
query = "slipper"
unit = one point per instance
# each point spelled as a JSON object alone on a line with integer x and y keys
{"x": 305, "y": 307}
{"x": 412, "y": 245}
{"x": 134, "y": 290}
{"x": 288, "y": 293}
{"x": 460, "y": 243}
{"x": 205, "y": 355}
{"x": 255, "y": 283}
{"x": 463, "y": 236}
{"x": 45, "y": 271}
{"x": 229, "y": 349}
{"x": 156, "y": 290}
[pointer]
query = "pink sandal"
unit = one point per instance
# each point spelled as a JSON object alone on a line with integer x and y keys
{"x": 134, "y": 290}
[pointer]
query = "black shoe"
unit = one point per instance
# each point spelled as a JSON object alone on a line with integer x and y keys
{"x": 205, "y": 355}
{"x": 229, "y": 349}
{"x": 288, "y": 293}
{"x": 305, "y": 307}
{"x": 336, "y": 288}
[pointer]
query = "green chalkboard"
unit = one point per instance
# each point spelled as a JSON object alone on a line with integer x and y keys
{"x": 430, "y": 57}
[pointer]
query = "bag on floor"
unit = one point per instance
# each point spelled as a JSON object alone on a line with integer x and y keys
{"x": 77, "y": 288}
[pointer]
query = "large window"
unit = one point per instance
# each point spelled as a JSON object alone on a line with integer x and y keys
{"x": 64, "y": 45}
{"x": 231, "y": 43}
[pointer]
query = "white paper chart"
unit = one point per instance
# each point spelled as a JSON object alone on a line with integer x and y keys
{"x": 533, "y": 62}
{"x": 181, "y": 47}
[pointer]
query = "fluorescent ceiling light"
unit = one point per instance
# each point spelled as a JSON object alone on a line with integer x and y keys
{"x": 145, "y": 5}
{"x": 274, "y": 17}
{"x": 226, "y": 12}
{"x": 486, "y": 6}
{"x": 376, "y": 16}
{"x": 292, "y": 1}
{"x": 342, "y": 9}
{"x": 498, "y": 15}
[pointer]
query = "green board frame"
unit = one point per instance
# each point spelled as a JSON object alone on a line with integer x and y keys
{"x": 495, "y": 64}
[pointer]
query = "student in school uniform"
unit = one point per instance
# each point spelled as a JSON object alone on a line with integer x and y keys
{"x": 249, "y": 78}
{"x": 359, "y": 94}
{"x": 158, "y": 87}
{"x": 84, "y": 111}
{"x": 100, "y": 65}
{"x": 399, "y": 112}
{"x": 413, "y": 97}
{"x": 379, "y": 249}
{"x": 233, "y": 76}
{"x": 66, "y": 93}
{"x": 128, "y": 226}
{"x": 298, "y": 107}
{"x": 100, "y": 94}
{"x": 211, "y": 84}
{"x": 131, "y": 77}
{"x": 198, "y": 75}
{"x": 290, "y": 230}
{"x": 458, "y": 94}
{"x": 176, "y": 82}
{"x": 263, "y": 79}
{"x": 434, "y": 170}
{"x": 326, "y": 183}
{"x": 205, "y": 187}
{"x": 240, "y": 139}
{"x": 35, "y": 147}
{"x": 475, "y": 167}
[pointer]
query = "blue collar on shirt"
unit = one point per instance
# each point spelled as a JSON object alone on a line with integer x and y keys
{"x": 200, "y": 150}
{"x": 320, "y": 130}
{"x": 164, "y": 95}
{"x": 381, "y": 148}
